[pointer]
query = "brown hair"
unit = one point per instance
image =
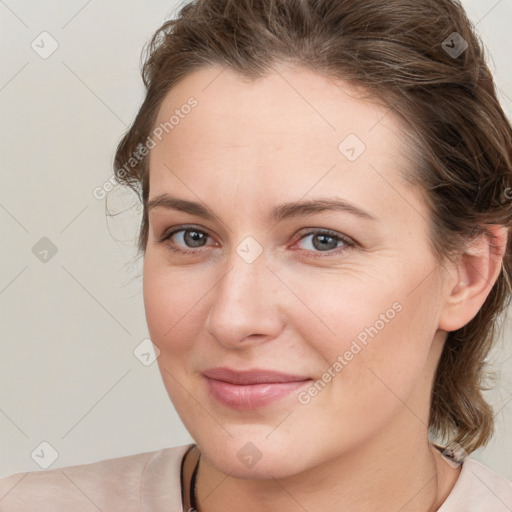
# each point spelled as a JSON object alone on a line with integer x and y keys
{"x": 398, "y": 50}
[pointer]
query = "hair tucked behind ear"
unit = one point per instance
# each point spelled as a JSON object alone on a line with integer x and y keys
{"x": 394, "y": 50}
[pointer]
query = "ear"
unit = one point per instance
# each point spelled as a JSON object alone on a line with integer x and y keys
{"x": 473, "y": 278}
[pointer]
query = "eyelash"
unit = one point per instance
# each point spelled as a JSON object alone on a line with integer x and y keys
{"x": 349, "y": 244}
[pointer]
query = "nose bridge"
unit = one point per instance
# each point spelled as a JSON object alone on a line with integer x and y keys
{"x": 247, "y": 276}
{"x": 243, "y": 303}
{"x": 246, "y": 263}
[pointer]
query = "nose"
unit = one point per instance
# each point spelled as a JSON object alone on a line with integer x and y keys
{"x": 245, "y": 305}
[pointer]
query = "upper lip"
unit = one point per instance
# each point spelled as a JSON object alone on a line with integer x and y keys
{"x": 255, "y": 376}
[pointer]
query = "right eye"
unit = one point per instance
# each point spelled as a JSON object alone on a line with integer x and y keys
{"x": 185, "y": 236}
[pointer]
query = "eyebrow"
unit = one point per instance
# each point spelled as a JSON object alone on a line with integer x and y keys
{"x": 277, "y": 213}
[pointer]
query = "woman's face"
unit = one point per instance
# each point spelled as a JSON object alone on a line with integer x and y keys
{"x": 347, "y": 297}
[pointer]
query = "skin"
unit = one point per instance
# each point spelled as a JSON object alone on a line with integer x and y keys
{"x": 361, "y": 444}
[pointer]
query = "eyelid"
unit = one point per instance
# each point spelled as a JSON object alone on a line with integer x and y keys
{"x": 329, "y": 232}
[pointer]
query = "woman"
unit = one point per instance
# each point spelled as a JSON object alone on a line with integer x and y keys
{"x": 326, "y": 252}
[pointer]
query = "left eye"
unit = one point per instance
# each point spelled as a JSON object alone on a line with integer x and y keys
{"x": 324, "y": 241}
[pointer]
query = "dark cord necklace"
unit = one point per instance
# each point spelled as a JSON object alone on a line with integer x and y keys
{"x": 192, "y": 496}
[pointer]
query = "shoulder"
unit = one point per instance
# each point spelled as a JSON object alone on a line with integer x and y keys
{"x": 105, "y": 485}
{"x": 479, "y": 488}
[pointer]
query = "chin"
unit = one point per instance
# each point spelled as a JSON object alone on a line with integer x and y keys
{"x": 252, "y": 455}
{"x": 273, "y": 465}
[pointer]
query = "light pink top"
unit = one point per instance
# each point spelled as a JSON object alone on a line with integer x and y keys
{"x": 150, "y": 482}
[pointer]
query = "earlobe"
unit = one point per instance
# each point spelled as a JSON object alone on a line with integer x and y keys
{"x": 476, "y": 273}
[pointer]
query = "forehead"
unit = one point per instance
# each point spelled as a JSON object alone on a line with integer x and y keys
{"x": 287, "y": 99}
{"x": 279, "y": 136}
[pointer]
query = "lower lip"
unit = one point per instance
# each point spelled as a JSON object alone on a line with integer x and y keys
{"x": 251, "y": 396}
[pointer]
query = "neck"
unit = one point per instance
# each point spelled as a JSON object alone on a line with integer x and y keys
{"x": 411, "y": 477}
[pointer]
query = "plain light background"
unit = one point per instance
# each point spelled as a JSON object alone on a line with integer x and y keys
{"x": 70, "y": 324}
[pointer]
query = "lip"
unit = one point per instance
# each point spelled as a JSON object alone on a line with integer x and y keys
{"x": 256, "y": 376}
{"x": 244, "y": 390}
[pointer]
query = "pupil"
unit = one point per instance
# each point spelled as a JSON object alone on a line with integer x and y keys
{"x": 192, "y": 240}
{"x": 323, "y": 238}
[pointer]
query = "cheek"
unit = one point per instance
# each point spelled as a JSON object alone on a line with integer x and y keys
{"x": 169, "y": 299}
{"x": 380, "y": 349}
